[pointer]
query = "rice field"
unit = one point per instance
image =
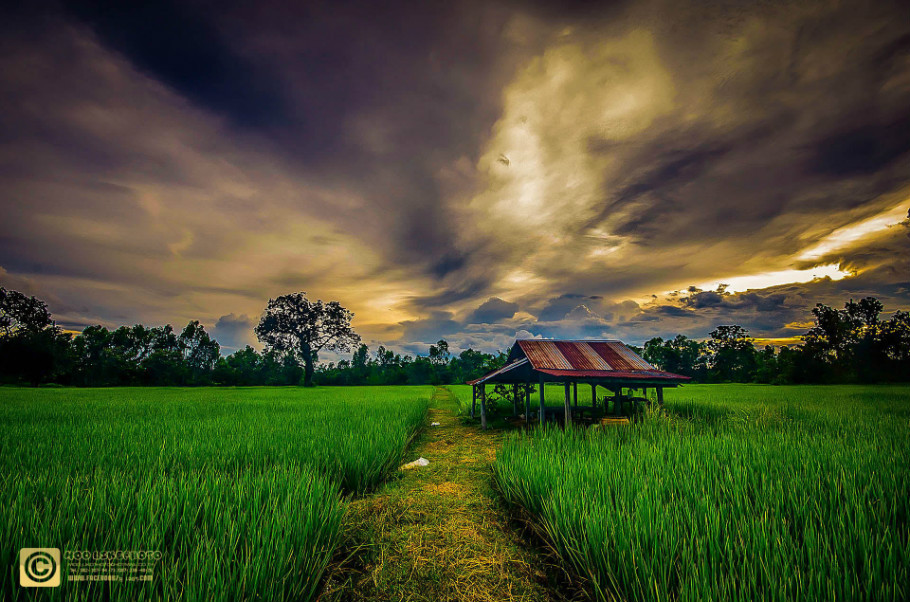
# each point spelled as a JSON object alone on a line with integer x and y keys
{"x": 241, "y": 490}
{"x": 737, "y": 492}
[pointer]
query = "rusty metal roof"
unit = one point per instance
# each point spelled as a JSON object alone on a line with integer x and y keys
{"x": 600, "y": 356}
{"x": 644, "y": 375}
{"x": 507, "y": 368}
{"x": 596, "y": 360}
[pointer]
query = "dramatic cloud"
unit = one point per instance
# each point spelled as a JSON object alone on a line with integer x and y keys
{"x": 469, "y": 171}
{"x": 492, "y": 310}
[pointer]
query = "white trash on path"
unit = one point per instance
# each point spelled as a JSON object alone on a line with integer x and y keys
{"x": 415, "y": 464}
{"x": 434, "y": 424}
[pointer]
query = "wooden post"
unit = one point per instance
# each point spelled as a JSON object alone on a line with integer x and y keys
{"x": 528, "y": 403}
{"x": 514, "y": 401}
{"x": 593, "y": 396}
{"x": 473, "y": 401}
{"x": 568, "y": 407}
{"x": 660, "y": 396}
{"x": 575, "y": 394}
{"x": 617, "y": 401}
{"x": 483, "y": 406}
{"x": 644, "y": 393}
{"x": 542, "y": 407}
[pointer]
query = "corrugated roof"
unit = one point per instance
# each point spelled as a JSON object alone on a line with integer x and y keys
{"x": 507, "y": 368}
{"x": 634, "y": 375}
{"x": 545, "y": 354}
{"x": 582, "y": 355}
{"x": 606, "y": 360}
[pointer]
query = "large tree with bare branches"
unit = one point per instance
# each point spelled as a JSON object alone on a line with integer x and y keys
{"x": 293, "y": 324}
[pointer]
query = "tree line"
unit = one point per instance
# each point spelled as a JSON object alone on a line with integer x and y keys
{"x": 849, "y": 345}
{"x": 854, "y": 344}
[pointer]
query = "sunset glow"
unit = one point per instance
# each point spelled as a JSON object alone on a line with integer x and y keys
{"x": 737, "y": 284}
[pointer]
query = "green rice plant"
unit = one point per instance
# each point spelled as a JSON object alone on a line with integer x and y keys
{"x": 736, "y": 493}
{"x": 240, "y": 490}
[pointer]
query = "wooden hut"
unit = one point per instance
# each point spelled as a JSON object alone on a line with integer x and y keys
{"x": 608, "y": 364}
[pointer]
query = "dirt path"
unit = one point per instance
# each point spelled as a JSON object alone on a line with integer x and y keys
{"x": 439, "y": 532}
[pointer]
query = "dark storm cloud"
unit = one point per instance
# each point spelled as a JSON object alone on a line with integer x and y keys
{"x": 493, "y": 310}
{"x": 666, "y": 170}
{"x": 699, "y": 299}
{"x": 557, "y": 308}
{"x": 179, "y": 44}
{"x": 863, "y": 149}
{"x": 819, "y": 125}
{"x": 439, "y": 324}
{"x": 375, "y": 98}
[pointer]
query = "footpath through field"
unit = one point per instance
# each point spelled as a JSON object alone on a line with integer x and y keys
{"x": 439, "y": 532}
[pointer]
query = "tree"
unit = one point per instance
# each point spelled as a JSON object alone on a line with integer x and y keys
{"x": 360, "y": 364}
{"x": 439, "y": 357}
{"x": 19, "y": 313}
{"x": 200, "y": 351}
{"x": 243, "y": 367}
{"x": 439, "y": 353}
{"x": 31, "y": 345}
{"x": 853, "y": 344}
{"x": 732, "y": 354}
{"x": 294, "y": 324}
{"x": 680, "y": 355}
{"x": 471, "y": 364}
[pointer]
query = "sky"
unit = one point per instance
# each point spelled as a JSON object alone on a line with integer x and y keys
{"x": 474, "y": 171}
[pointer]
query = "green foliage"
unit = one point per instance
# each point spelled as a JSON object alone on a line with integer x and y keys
{"x": 240, "y": 489}
{"x": 21, "y": 313}
{"x": 32, "y": 348}
{"x": 389, "y": 368}
{"x": 738, "y": 493}
{"x": 844, "y": 346}
{"x": 854, "y": 344}
{"x": 731, "y": 354}
{"x": 680, "y": 355}
{"x": 137, "y": 355}
{"x": 292, "y": 324}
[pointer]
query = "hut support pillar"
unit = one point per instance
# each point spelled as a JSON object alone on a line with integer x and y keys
{"x": 593, "y": 396}
{"x": 542, "y": 406}
{"x": 483, "y": 406}
{"x": 514, "y": 401}
{"x": 575, "y": 394}
{"x": 617, "y": 401}
{"x": 528, "y": 403}
{"x": 568, "y": 407}
{"x": 660, "y": 397}
{"x": 473, "y": 401}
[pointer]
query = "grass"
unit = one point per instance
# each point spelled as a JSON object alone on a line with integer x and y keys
{"x": 240, "y": 489}
{"x": 737, "y": 493}
{"x": 734, "y": 492}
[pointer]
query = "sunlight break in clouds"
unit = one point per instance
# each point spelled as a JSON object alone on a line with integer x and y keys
{"x": 737, "y": 284}
{"x": 540, "y": 172}
{"x": 848, "y": 236}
